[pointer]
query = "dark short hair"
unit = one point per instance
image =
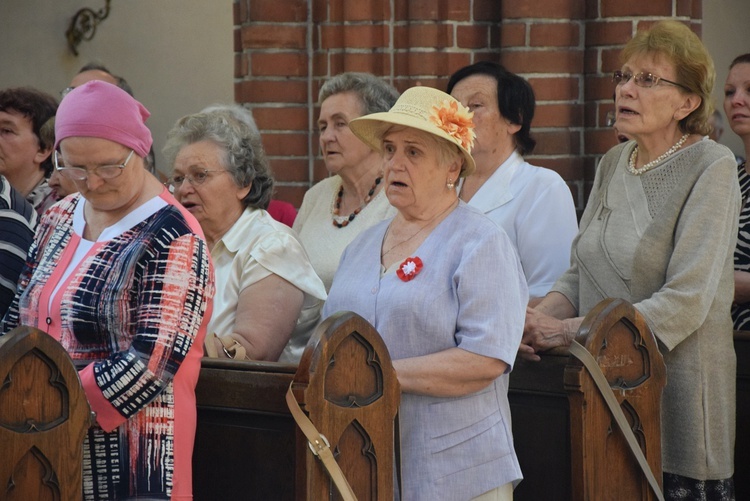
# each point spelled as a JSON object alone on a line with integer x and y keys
{"x": 121, "y": 82}
{"x": 35, "y": 105}
{"x": 515, "y": 98}
{"x": 744, "y": 58}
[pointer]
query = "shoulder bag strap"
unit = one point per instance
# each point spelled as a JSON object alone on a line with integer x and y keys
{"x": 320, "y": 447}
{"x": 582, "y": 354}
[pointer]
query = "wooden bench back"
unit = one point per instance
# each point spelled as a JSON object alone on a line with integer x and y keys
{"x": 603, "y": 467}
{"x": 44, "y": 416}
{"x": 348, "y": 387}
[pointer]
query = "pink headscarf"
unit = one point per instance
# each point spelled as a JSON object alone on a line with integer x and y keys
{"x": 100, "y": 109}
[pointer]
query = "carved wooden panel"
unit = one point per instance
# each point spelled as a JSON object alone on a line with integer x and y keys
{"x": 603, "y": 467}
{"x": 346, "y": 383}
{"x": 44, "y": 416}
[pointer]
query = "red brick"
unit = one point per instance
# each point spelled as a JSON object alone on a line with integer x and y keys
{"x": 558, "y": 142}
{"x": 431, "y": 35}
{"x": 320, "y": 63}
{"x": 608, "y": 32}
{"x": 599, "y": 88}
{"x": 555, "y": 9}
{"x": 570, "y": 168}
{"x": 291, "y": 64}
{"x": 239, "y": 12}
{"x": 599, "y": 141}
{"x": 378, "y": 63}
{"x": 684, "y": 8}
{"x": 486, "y": 10}
{"x": 636, "y": 8}
{"x": 241, "y": 65}
{"x": 274, "y": 36}
{"x": 284, "y": 118}
{"x": 591, "y": 60}
{"x": 555, "y": 88}
{"x": 543, "y": 60}
{"x": 610, "y": 60}
{"x": 290, "y": 170}
{"x": 555, "y": 35}
{"x": 557, "y": 115}
{"x": 422, "y": 10}
{"x": 286, "y": 144}
{"x": 271, "y": 91}
{"x": 361, "y": 10}
{"x": 365, "y": 36}
{"x": 237, "y": 40}
{"x": 472, "y": 37}
{"x": 319, "y": 170}
{"x": 290, "y": 193}
{"x": 320, "y": 11}
{"x": 430, "y": 63}
{"x": 513, "y": 35}
{"x": 279, "y": 11}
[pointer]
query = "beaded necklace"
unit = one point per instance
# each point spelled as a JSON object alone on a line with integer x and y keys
{"x": 350, "y": 218}
{"x": 647, "y": 167}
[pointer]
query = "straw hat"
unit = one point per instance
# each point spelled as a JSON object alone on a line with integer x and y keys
{"x": 425, "y": 109}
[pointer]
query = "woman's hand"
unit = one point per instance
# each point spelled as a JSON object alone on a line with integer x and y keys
{"x": 543, "y": 332}
{"x": 741, "y": 287}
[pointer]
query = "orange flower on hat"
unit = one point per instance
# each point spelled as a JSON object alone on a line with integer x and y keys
{"x": 456, "y": 121}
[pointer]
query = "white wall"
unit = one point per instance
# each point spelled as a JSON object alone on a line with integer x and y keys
{"x": 726, "y": 33}
{"x": 177, "y": 55}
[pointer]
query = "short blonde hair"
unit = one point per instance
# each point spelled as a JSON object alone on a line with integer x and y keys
{"x": 693, "y": 64}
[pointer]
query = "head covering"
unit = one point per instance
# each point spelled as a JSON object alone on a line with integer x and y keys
{"x": 425, "y": 109}
{"x": 100, "y": 109}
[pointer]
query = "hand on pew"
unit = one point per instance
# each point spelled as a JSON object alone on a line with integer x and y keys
{"x": 543, "y": 332}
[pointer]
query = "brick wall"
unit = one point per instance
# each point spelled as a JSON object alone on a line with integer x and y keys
{"x": 286, "y": 49}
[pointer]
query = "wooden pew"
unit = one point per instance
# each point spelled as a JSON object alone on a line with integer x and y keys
{"x": 248, "y": 446}
{"x": 569, "y": 446}
{"x": 44, "y": 416}
{"x": 742, "y": 443}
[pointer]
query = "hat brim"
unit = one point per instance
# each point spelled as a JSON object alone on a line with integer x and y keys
{"x": 371, "y": 128}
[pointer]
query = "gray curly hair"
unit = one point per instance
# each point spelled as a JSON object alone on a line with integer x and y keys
{"x": 245, "y": 158}
{"x": 375, "y": 93}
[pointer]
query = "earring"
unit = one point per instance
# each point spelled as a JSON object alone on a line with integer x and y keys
{"x": 450, "y": 184}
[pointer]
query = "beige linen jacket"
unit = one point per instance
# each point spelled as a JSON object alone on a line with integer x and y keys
{"x": 682, "y": 282}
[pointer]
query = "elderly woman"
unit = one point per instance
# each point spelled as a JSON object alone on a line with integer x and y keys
{"x": 268, "y": 296}
{"x": 737, "y": 109}
{"x": 340, "y": 207}
{"x": 443, "y": 286}
{"x": 659, "y": 230}
{"x": 532, "y": 204}
{"x": 120, "y": 275}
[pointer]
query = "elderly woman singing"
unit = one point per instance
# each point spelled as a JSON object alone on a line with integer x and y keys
{"x": 659, "y": 230}
{"x": 268, "y": 296}
{"x": 444, "y": 287}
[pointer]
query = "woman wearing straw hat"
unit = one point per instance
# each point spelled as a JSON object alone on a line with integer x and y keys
{"x": 443, "y": 286}
{"x": 120, "y": 275}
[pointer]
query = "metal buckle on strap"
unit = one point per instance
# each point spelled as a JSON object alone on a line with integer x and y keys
{"x": 317, "y": 447}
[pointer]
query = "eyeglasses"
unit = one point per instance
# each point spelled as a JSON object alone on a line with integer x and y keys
{"x": 80, "y": 174}
{"x": 196, "y": 178}
{"x": 646, "y": 80}
{"x": 65, "y": 91}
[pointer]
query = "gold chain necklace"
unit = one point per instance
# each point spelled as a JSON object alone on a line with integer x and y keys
{"x": 388, "y": 230}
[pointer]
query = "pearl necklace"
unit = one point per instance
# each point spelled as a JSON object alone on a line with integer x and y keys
{"x": 647, "y": 167}
{"x": 350, "y": 217}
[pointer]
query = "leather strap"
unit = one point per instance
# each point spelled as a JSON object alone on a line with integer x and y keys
{"x": 232, "y": 348}
{"x": 320, "y": 447}
{"x": 582, "y": 354}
